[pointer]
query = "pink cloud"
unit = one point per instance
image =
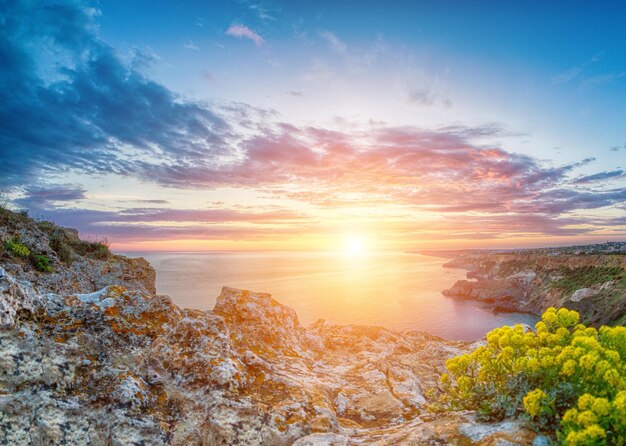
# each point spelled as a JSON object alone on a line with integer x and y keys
{"x": 432, "y": 170}
{"x": 242, "y": 31}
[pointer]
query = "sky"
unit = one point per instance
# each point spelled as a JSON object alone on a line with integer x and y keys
{"x": 254, "y": 125}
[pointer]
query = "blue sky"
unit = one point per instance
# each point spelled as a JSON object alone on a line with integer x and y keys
{"x": 544, "y": 69}
{"x": 244, "y": 124}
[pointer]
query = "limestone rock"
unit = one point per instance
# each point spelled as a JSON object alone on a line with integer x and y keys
{"x": 125, "y": 367}
{"x": 84, "y": 274}
{"x": 14, "y": 297}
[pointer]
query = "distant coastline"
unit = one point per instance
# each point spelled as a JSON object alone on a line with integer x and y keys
{"x": 590, "y": 279}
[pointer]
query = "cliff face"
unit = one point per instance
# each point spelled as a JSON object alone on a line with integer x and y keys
{"x": 123, "y": 366}
{"x": 594, "y": 285}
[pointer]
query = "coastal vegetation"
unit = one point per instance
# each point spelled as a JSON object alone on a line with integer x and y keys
{"x": 16, "y": 248}
{"x": 564, "y": 377}
{"x": 42, "y": 263}
{"x": 572, "y": 279}
{"x": 589, "y": 279}
{"x": 17, "y": 241}
{"x": 66, "y": 244}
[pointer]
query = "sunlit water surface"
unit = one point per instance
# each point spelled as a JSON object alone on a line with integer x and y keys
{"x": 399, "y": 291}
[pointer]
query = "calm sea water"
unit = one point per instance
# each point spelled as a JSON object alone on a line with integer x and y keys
{"x": 399, "y": 291}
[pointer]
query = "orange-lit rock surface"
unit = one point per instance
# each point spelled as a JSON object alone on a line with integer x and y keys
{"x": 129, "y": 368}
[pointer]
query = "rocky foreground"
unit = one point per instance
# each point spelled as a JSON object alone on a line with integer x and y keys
{"x": 122, "y": 367}
{"x": 591, "y": 281}
{"x": 89, "y": 354}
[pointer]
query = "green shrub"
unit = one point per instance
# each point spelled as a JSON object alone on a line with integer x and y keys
{"x": 8, "y": 217}
{"x": 66, "y": 244}
{"x": 42, "y": 263}
{"x": 46, "y": 226}
{"x": 564, "y": 377}
{"x": 573, "y": 279}
{"x": 16, "y": 248}
{"x": 98, "y": 249}
{"x": 59, "y": 244}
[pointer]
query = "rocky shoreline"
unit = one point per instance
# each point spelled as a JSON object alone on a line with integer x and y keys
{"x": 91, "y": 355}
{"x": 534, "y": 280}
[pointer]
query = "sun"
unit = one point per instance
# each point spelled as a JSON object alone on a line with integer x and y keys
{"x": 354, "y": 246}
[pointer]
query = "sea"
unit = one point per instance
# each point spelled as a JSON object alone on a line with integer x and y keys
{"x": 400, "y": 291}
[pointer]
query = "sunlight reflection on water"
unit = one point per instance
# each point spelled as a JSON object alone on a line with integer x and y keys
{"x": 393, "y": 290}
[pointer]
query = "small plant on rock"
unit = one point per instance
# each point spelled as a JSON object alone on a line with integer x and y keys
{"x": 101, "y": 250}
{"x": 42, "y": 263}
{"x": 46, "y": 226}
{"x": 59, "y": 244}
{"x": 16, "y": 248}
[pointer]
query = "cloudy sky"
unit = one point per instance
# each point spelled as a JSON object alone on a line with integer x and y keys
{"x": 245, "y": 125}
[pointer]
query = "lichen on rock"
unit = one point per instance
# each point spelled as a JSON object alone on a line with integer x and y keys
{"x": 125, "y": 367}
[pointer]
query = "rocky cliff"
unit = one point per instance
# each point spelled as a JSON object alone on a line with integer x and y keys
{"x": 532, "y": 281}
{"x": 123, "y": 366}
{"x": 76, "y": 266}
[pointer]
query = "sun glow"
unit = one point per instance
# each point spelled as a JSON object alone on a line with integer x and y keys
{"x": 354, "y": 246}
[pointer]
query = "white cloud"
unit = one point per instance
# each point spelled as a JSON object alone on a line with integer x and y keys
{"x": 426, "y": 97}
{"x": 242, "y": 31}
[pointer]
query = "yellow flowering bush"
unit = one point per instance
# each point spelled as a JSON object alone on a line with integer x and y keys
{"x": 563, "y": 377}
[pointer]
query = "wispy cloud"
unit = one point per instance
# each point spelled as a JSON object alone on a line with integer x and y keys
{"x": 264, "y": 12}
{"x": 158, "y": 223}
{"x": 567, "y": 75}
{"x": 576, "y": 72}
{"x": 335, "y": 43}
{"x": 601, "y": 79}
{"x": 355, "y": 59}
{"x": 190, "y": 45}
{"x": 583, "y": 73}
{"x": 600, "y": 177}
{"x": 426, "y": 97}
{"x": 51, "y": 194}
{"x": 242, "y": 31}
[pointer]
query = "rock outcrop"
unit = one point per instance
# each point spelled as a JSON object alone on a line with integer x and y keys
{"x": 507, "y": 294}
{"x": 127, "y": 368}
{"x": 531, "y": 281}
{"x": 80, "y": 271}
